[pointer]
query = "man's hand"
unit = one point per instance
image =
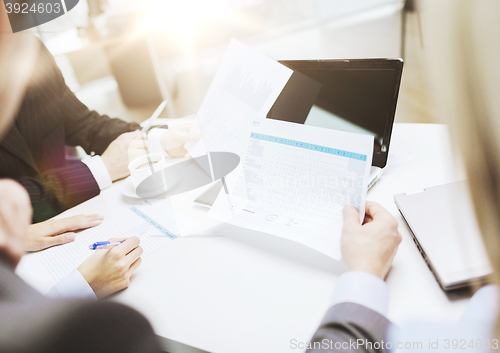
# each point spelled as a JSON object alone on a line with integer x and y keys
{"x": 58, "y": 231}
{"x": 15, "y": 218}
{"x": 370, "y": 247}
{"x": 175, "y": 137}
{"x": 108, "y": 271}
{"x": 116, "y": 156}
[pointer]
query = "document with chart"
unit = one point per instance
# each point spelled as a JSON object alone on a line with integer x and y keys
{"x": 245, "y": 87}
{"x": 153, "y": 221}
{"x": 294, "y": 180}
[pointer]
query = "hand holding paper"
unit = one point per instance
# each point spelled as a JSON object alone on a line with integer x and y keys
{"x": 294, "y": 182}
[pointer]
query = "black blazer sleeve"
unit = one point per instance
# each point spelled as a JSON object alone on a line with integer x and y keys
{"x": 83, "y": 127}
{"x": 33, "y": 151}
{"x": 31, "y": 323}
{"x": 58, "y": 189}
{"x": 346, "y": 323}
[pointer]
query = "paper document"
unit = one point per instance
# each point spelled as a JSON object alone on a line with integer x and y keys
{"x": 294, "y": 181}
{"x": 153, "y": 221}
{"x": 244, "y": 89}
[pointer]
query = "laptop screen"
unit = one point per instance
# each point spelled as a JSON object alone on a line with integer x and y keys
{"x": 350, "y": 95}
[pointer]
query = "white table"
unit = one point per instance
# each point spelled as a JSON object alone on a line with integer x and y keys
{"x": 253, "y": 293}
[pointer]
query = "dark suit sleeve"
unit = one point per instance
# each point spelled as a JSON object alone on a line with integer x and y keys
{"x": 349, "y": 327}
{"x": 58, "y": 189}
{"x": 86, "y": 128}
{"x": 31, "y": 323}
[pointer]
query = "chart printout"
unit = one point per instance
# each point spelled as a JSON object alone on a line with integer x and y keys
{"x": 245, "y": 87}
{"x": 294, "y": 182}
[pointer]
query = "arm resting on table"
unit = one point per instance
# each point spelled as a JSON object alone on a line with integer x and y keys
{"x": 83, "y": 127}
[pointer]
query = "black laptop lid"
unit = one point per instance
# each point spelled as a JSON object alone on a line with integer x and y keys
{"x": 357, "y": 95}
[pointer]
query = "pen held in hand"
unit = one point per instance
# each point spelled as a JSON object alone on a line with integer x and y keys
{"x": 104, "y": 245}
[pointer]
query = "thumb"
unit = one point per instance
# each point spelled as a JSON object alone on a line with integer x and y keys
{"x": 351, "y": 218}
{"x": 60, "y": 239}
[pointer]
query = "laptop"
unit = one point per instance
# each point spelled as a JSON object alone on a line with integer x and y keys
{"x": 444, "y": 228}
{"x": 354, "y": 95}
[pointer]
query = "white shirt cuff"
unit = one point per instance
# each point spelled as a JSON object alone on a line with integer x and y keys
{"x": 99, "y": 171}
{"x": 482, "y": 307}
{"x": 154, "y": 139}
{"x": 72, "y": 286}
{"x": 362, "y": 288}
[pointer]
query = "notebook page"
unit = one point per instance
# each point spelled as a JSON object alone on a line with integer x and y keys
{"x": 154, "y": 223}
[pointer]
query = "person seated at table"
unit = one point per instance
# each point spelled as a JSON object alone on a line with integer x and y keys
{"x": 29, "y": 322}
{"x": 51, "y": 117}
{"x": 103, "y": 273}
{"x": 466, "y": 39}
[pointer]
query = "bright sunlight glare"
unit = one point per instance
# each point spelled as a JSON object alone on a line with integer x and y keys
{"x": 184, "y": 18}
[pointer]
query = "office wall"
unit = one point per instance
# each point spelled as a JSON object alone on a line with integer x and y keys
{"x": 372, "y": 33}
{"x": 288, "y": 29}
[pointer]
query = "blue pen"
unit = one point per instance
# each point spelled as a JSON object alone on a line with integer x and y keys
{"x": 104, "y": 245}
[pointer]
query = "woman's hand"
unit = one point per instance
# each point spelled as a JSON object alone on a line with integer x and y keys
{"x": 176, "y": 136}
{"x": 58, "y": 231}
{"x": 370, "y": 247}
{"x": 109, "y": 270}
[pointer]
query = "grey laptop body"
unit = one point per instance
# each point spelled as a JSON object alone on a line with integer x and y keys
{"x": 444, "y": 228}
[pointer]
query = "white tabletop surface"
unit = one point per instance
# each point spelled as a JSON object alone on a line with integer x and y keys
{"x": 251, "y": 292}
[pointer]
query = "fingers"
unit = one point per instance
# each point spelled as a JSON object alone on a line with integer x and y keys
{"x": 374, "y": 210}
{"x": 58, "y": 226}
{"x": 127, "y": 246}
{"x": 133, "y": 135}
{"x": 133, "y": 255}
{"x": 135, "y": 153}
{"x": 116, "y": 240}
{"x": 138, "y": 146}
{"x": 186, "y": 125}
{"x": 59, "y": 239}
{"x": 351, "y": 218}
{"x": 177, "y": 152}
{"x": 138, "y": 140}
{"x": 134, "y": 266}
{"x": 381, "y": 216}
{"x": 367, "y": 219}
